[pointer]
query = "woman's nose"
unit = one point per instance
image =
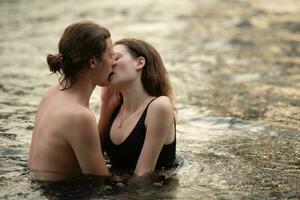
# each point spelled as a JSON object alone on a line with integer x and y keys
{"x": 113, "y": 63}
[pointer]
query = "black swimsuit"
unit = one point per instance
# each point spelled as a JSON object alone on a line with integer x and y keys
{"x": 126, "y": 154}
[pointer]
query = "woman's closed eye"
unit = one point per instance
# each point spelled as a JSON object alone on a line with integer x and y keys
{"x": 111, "y": 55}
{"x": 116, "y": 56}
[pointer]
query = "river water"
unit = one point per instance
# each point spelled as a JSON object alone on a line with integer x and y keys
{"x": 235, "y": 69}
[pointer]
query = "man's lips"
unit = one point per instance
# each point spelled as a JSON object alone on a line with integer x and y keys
{"x": 110, "y": 75}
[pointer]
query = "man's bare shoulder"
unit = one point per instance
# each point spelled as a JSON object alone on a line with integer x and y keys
{"x": 82, "y": 115}
{"x": 75, "y": 115}
{"x": 83, "y": 124}
{"x": 49, "y": 93}
{"x": 50, "y": 90}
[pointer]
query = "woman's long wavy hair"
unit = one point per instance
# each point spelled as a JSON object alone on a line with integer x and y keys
{"x": 154, "y": 77}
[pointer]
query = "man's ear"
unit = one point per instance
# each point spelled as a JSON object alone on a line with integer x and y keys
{"x": 92, "y": 62}
{"x": 140, "y": 63}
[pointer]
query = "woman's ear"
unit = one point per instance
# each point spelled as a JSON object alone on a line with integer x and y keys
{"x": 92, "y": 62}
{"x": 140, "y": 63}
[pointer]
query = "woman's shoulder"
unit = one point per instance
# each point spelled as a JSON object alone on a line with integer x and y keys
{"x": 161, "y": 104}
{"x": 160, "y": 114}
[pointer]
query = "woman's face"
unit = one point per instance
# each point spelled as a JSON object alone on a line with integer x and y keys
{"x": 124, "y": 66}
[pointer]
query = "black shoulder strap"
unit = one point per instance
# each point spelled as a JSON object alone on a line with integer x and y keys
{"x": 150, "y": 103}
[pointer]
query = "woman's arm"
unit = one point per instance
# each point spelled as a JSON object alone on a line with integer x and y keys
{"x": 159, "y": 123}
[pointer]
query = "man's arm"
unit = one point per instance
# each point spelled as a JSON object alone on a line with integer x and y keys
{"x": 86, "y": 145}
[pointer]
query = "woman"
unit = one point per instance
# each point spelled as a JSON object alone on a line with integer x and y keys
{"x": 65, "y": 138}
{"x": 141, "y": 132}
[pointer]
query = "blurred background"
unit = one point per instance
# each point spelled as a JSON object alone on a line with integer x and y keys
{"x": 235, "y": 70}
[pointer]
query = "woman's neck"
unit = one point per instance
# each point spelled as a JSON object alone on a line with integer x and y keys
{"x": 133, "y": 95}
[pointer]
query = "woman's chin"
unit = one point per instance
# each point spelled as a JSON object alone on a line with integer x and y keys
{"x": 114, "y": 82}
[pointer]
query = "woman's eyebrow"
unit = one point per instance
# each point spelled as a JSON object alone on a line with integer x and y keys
{"x": 117, "y": 53}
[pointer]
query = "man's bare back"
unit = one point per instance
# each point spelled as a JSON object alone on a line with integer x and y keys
{"x": 57, "y": 132}
{"x": 50, "y": 151}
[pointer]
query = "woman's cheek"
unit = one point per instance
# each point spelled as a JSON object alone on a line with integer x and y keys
{"x": 132, "y": 73}
{"x": 123, "y": 65}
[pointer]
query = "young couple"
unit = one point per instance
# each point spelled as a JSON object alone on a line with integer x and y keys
{"x": 136, "y": 128}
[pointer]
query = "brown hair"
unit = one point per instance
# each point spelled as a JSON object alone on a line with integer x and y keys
{"x": 154, "y": 77}
{"x": 79, "y": 42}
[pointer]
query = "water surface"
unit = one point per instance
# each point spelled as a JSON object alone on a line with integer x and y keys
{"x": 235, "y": 69}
